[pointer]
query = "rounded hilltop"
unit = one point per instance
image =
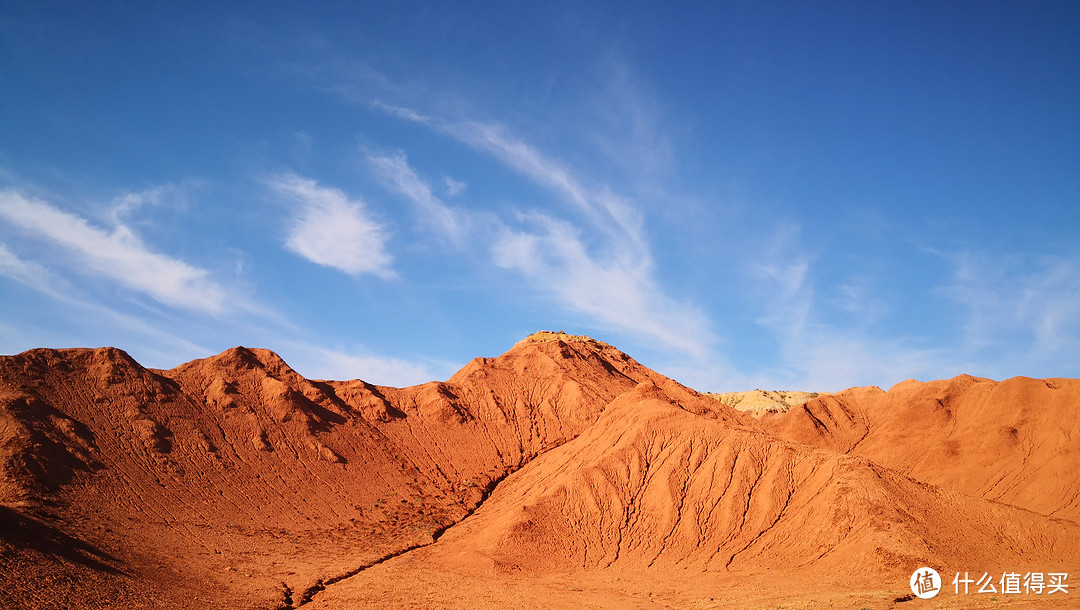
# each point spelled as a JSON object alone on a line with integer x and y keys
{"x": 546, "y": 336}
{"x": 762, "y": 402}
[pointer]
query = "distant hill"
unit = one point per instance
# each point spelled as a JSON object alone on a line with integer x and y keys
{"x": 1014, "y": 441}
{"x": 761, "y": 402}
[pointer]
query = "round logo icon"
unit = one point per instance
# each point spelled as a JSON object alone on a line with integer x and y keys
{"x": 925, "y": 583}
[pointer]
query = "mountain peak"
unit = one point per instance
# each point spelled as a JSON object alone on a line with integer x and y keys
{"x": 546, "y": 336}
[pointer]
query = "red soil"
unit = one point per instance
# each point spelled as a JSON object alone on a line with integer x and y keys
{"x": 560, "y": 473}
{"x": 1017, "y": 441}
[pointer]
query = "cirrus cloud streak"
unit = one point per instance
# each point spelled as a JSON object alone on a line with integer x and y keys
{"x": 119, "y": 255}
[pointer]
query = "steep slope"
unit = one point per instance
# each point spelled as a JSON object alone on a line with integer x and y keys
{"x": 657, "y": 493}
{"x": 236, "y": 478}
{"x": 1015, "y": 441}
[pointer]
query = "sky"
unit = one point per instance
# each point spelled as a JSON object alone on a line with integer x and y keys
{"x": 777, "y": 195}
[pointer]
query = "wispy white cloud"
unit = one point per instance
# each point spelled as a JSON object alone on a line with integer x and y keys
{"x": 454, "y": 187}
{"x": 126, "y": 204}
{"x": 857, "y": 298}
{"x": 149, "y": 333}
{"x": 617, "y": 291}
{"x": 330, "y": 229}
{"x": 606, "y": 211}
{"x": 816, "y": 354}
{"x": 602, "y": 269}
{"x": 1030, "y": 301}
{"x": 832, "y": 359}
{"x": 784, "y": 283}
{"x": 33, "y": 275}
{"x": 1019, "y": 315}
{"x": 398, "y": 175}
{"x": 635, "y": 135}
{"x": 401, "y": 112}
{"x": 118, "y": 254}
{"x": 40, "y": 278}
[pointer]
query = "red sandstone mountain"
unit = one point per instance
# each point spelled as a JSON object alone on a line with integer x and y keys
{"x": 235, "y": 482}
{"x": 696, "y": 509}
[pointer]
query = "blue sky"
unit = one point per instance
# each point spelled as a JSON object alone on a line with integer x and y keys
{"x": 792, "y": 195}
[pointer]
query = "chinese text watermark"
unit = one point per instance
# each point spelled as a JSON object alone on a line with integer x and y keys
{"x": 1013, "y": 583}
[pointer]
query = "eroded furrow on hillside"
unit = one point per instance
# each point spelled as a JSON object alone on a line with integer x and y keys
{"x": 790, "y": 485}
{"x": 321, "y": 584}
{"x": 681, "y": 496}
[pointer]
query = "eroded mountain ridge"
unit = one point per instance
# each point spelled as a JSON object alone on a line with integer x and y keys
{"x": 235, "y": 479}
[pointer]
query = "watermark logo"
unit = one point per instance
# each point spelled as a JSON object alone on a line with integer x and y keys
{"x": 1012, "y": 583}
{"x": 925, "y": 583}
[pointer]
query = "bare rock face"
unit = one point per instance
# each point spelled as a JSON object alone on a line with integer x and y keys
{"x": 234, "y": 481}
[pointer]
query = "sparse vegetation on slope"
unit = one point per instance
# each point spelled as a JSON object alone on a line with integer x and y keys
{"x": 544, "y": 336}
